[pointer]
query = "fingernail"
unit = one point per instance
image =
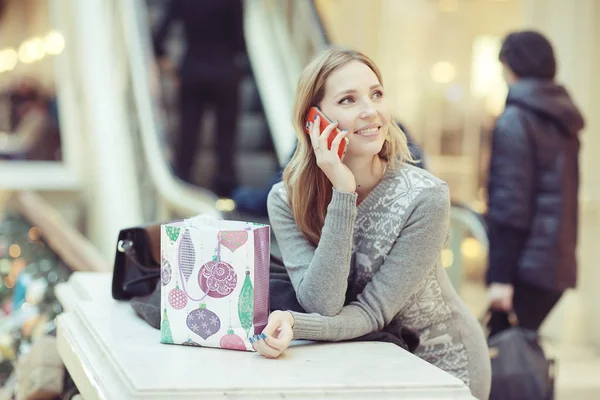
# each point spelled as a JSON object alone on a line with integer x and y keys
{"x": 251, "y": 340}
{"x": 335, "y": 122}
{"x": 264, "y": 335}
{"x": 257, "y": 337}
{"x": 316, "y": 116}
{"x": 345, "y": 131}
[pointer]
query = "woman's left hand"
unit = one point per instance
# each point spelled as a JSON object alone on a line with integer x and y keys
{"x": 277, "y": 335}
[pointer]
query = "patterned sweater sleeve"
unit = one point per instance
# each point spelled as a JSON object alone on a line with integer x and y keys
{"x": 415, "y": 252}
{"x": 319, "y": 274}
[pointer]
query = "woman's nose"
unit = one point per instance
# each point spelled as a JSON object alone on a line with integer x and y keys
{"x": 368, "y": 110}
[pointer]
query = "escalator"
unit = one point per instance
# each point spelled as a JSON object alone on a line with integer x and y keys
{"x": 266, "y": 137}
{"x": 254, "y": 151}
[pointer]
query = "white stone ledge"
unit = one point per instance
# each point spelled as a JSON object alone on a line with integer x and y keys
{"x": 83, "y": 286}
{"x": 113, "y": 354}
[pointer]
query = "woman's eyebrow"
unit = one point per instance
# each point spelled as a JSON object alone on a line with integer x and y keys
{"x": 351, "y": 91}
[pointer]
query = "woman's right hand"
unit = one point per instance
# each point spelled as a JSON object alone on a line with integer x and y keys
{"x": 276, "y": 336}
{"x": 328, "y": 160}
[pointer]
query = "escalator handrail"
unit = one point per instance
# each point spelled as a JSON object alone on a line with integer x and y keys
{"x": 74, "y": 249}
{"x": 319, "y": 23}
{"x": 183, "y": 198}
{"x": 472, "y": 221}
{"x": 271, "y": 76}
{"x": 276, "y": 65}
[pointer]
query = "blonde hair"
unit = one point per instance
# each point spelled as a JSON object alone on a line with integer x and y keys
{"x": 308, "y": 188}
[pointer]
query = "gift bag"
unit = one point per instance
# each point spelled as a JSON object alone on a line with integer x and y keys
{"x": 215, "y": 282}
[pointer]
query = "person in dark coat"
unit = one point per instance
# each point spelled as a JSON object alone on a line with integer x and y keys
{"x": 533, "y": 187}
{"x": 209, "y": 75}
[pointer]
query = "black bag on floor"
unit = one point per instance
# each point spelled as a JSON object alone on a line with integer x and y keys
{"x": 520, "y": 369}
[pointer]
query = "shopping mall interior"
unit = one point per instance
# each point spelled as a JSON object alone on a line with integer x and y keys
{"x": 87, "y": 115}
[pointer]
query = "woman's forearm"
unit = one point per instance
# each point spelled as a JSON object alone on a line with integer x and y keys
{"x": 319, "y": 275}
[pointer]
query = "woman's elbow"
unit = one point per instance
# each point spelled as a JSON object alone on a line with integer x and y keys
{"x": 326, "y": 306}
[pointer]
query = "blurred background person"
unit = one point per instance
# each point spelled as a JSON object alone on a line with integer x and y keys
{"x": 209, "y": 76}
{"x": 533, "y": 187}
{"x": 31, "y": 124}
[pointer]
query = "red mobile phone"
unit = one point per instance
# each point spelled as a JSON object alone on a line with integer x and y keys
{"x": 324, "y": 122}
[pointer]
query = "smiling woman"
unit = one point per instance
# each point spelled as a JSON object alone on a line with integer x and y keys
{"x": 361, "y": 237}
{"x": 347, "y": 87}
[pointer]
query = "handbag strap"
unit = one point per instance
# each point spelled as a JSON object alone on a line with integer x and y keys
{"x": 144, "y": 278}
{"x": 126, "y": 246}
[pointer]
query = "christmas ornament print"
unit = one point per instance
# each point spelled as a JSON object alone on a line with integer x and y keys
{"x": 246, "y": 304}
{"x": 217, "y": 279}
{"x": 177, "y": 298}
{"x": 190, "y": 342}
{"x": 165, "y": 329}
{"x": 233, "y": 240}
{"x": 165, "y": 272}
{"x": 232, "y": 341}
{"x": 173, "y": 233}
{"x": 187, "y": 255}
{"x": 203, "y": 322}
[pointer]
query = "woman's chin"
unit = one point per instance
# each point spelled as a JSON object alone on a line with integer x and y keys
{"x": 365, "y": 149}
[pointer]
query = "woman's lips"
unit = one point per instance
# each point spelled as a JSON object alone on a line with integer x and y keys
{"x": 368, "y": 132}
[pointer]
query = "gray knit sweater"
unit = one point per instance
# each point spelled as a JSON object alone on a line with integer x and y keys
{"x": 385, "y": 254}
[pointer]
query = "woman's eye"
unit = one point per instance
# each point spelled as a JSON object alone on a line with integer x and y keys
{"x": 377, "y": 94}
{"x": 345, "y": 100}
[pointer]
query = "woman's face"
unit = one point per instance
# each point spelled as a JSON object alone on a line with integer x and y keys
{"x": 354, "y": 97}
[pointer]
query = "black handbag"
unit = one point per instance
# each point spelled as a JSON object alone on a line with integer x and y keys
{"x": 520, "y": 369}
{"x": 137, "y": 262}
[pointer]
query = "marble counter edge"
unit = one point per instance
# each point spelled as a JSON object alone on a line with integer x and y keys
{"x": 98, "y": 377}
